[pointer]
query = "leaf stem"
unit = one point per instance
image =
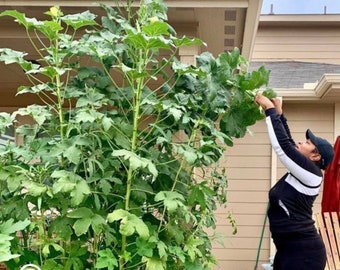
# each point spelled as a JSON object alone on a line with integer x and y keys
{"x": 191, "y": 139}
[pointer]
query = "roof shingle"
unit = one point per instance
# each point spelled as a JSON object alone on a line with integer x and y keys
{"x": 294, "y": 74}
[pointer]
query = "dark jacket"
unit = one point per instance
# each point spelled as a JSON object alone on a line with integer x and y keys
{"x": 292, "y": 197}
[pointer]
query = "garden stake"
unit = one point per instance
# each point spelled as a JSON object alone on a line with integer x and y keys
{"x": 262, "y": 233}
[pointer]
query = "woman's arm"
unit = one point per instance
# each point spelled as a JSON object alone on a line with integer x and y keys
{"x": 296, "y": 163}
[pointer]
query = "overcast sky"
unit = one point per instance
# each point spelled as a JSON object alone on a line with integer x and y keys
{"x": 301, "y": 6}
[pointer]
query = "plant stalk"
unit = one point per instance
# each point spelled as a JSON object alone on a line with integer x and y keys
{"x": 136, "y": 116}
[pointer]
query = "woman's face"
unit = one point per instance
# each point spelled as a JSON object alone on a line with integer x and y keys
{"x": 309, "y": 150}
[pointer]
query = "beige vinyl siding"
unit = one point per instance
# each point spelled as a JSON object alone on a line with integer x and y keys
{"x": 248, "y": 166}
{"x": 298, "y": 43}
{"x": 248, "y": 171}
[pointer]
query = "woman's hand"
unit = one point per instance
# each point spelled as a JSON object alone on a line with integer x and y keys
{"x": 278, "y": 105}
{"x": 264, "y": 102}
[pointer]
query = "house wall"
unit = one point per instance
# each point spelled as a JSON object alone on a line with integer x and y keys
{"x": 298, "y": 42}
{"x": 250, "y": 166}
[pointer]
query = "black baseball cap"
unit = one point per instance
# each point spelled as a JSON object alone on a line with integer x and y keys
{"x": 324, "y": 147}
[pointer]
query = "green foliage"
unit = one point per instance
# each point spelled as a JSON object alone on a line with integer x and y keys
{"x": 7, "y": 229}
{"x": 101, "y": 180}
{"x": 269, "y": 93}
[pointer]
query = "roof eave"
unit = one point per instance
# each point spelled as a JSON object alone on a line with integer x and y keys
{"x": 250, "y": 28}
{"x": 326, "y": 90}
{"x": 169, "y": 3}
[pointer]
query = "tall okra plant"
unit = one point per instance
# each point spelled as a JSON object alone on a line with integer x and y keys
{"x": 119, "y": 166}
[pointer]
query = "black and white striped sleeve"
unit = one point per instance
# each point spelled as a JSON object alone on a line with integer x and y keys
{"x": 305, "y": 176}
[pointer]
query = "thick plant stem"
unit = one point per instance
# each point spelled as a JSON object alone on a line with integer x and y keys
{"x": 60, "y": 109}
{"x": 59, "y": 94}
{"x": 136, "y": 117}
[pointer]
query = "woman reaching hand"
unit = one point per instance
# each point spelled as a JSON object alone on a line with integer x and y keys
{"x": 298, "y": 244}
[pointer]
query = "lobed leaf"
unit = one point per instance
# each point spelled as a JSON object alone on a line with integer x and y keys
{"x": 172, "y": 200}
{"x": 153, "y": 264}
{"x": 157, "y": 28}
{"x": 10, "y": 226}
{"x": 136, "y": 161}
{"x": 20, "y": 18}
{"x": 106, "y": 259}
{"x": 129, "y": 224}
{"x": 79, "y": 20}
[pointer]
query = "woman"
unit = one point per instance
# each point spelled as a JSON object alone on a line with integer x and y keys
{"x": 298, "y": 244}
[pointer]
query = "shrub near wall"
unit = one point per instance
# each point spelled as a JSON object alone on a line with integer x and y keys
{"x": 99, "y": 181}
